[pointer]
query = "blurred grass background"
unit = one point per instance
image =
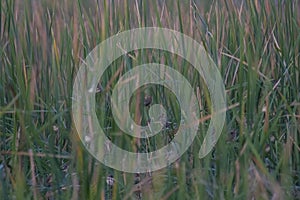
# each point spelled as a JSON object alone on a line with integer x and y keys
{"x": 255, "y": 44}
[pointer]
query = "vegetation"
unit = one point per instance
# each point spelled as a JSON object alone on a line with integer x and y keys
{"x": 255, "y": 44}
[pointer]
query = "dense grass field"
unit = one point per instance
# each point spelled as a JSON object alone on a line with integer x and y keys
{"x": 256, "y": 46}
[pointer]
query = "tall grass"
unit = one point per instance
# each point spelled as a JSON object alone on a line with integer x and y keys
{"x": 255, "y": 45}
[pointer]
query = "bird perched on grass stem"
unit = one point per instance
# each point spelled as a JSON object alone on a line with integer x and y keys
{"x": 147, "y": 100}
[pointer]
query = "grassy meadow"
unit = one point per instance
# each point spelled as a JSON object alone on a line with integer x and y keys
{"x": 256, "y": 46}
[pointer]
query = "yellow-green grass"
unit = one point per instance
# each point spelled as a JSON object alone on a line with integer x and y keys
{"x": 255, "y": 45}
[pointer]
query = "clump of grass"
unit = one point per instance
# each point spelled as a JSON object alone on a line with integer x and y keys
{"x": 254, "y": 44}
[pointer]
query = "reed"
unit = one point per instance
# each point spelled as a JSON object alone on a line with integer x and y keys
{"x": 255, "y": 45}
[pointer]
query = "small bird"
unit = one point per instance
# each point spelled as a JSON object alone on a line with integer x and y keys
{"x": 99, "y": 88}
{"x": 233, "y": 136}
{"x": 147, "y": 100}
